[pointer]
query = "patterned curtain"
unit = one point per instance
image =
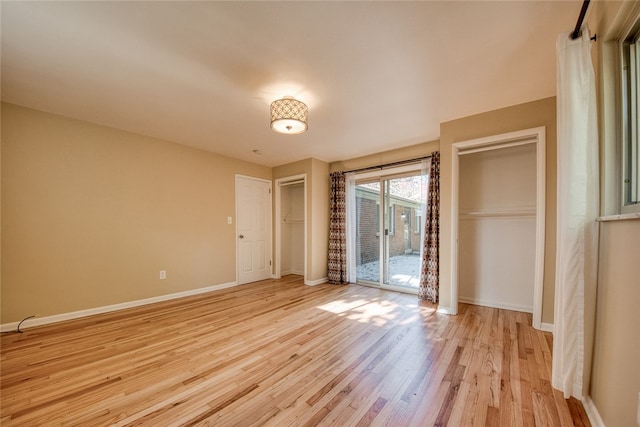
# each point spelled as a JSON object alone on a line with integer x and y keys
{"x": 429, "y": 282}
{"x": 337, "y": 231}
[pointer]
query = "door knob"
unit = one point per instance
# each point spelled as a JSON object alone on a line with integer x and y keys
{"x": 241, "y": 236}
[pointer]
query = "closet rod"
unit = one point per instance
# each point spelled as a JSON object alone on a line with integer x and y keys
{"x": 300, "y": 181}
{"x": 389, "y": 165}
{"x": 498, "y": 146}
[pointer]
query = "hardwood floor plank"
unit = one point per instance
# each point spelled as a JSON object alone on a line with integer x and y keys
{"x": 372, "y": 412}
{"x": 279, "y": 353}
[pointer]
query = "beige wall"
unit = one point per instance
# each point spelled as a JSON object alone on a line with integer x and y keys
{"x": 317, "y": 222}
{"x": 509, "y": 119}
{"x": 319, "y": 219}
{"x": 91, "y": 214}
{"x": 615, "y": 374}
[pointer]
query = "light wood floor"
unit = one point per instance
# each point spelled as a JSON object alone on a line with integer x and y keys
{"x": 281, "y": 353}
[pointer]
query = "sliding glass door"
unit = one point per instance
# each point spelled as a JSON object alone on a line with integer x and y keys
{"x": 368, "y": 231}
{"x": 389, "y": 212}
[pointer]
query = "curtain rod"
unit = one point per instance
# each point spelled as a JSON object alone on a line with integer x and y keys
{"x": 388, "y": 165}
{"x": 577, "y": 32}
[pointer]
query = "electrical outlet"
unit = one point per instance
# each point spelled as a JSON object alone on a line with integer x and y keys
{"x": 163, "y": 274}
{"x": 229, "y": 220}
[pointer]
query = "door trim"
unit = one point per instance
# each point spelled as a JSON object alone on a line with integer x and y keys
{"x": 269, "y": 221}
{"x": 527, "y": 136}
{"x": 278, "y": 229}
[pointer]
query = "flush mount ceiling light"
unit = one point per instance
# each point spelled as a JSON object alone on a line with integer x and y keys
{"x": 288, "y": 115}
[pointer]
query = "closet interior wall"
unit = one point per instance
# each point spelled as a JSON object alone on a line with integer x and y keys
{"x": 497, "y": 227}
{"x": 292, "y": 229}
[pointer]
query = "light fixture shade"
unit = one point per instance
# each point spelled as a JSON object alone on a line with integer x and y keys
{"x": 288, "y": 115}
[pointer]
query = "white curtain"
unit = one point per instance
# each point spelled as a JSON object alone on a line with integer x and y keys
{"x": 577, "y": 210}
{"x": 425, "y": 165}
{"x": 350, "y": 198}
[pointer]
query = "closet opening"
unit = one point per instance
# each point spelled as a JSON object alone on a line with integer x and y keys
{"x": 290, "y": 226}
{"x": 498, "y": 222}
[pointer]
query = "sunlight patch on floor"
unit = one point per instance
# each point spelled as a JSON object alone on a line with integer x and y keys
{"x": 375, "y": 313}
{"x": 342, "y": 306}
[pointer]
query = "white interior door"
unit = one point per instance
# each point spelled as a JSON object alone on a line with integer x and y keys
{"x": 253, "y": 229}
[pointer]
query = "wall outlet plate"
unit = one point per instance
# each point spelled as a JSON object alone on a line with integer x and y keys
{"x": 163, "y": 274}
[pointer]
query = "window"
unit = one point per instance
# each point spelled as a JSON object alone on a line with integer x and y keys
{"x": 418, "y": 221}
{"x": 407, "y": 218}
{"x": 630, "y": 117}
{"x": 377, "y": 219}
{"x": 392, "y": 220}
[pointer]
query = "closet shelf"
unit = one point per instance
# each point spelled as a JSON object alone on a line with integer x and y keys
{"x": 506, "y": 213}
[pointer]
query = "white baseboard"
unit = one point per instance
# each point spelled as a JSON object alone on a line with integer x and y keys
{"x": 39, "y": 321}
{"x": 446, "y": 310}
{"x": 296, "y": 272}
{"x": 592, "y": 412}
{"x": 546, "y": 327}
{"x": 315, "y": 282}
{"x": 494, "y": 304}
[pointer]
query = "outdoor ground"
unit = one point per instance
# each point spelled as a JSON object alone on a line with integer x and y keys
{"x": 404, "y": 270}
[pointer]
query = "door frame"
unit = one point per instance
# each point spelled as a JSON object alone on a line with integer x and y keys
{"x": 278, "y": 228}
{"x": 269, "y": 221}
{"x": 505, "y": 140}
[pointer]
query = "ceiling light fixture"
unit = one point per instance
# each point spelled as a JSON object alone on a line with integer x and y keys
{"x": 288, "y": 115}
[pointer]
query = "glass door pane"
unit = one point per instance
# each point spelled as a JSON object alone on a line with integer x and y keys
{"x": 403, "y": 225}
{"x": 368, "y": 232}
{"x": 389, "y": 230}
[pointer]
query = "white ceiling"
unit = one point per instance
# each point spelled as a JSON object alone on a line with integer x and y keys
{"x": 375, "y": 75}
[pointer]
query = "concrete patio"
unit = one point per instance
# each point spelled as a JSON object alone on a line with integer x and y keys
{"x": 404, "y": 270}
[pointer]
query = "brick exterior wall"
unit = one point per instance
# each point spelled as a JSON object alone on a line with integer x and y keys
{"x": 415, "y": 237}
{"x": 403, "y": 232}
{"x": 367, "y": 240}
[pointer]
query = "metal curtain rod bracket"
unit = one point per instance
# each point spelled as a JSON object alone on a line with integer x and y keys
{"x": 577, "y": 30}
{"x": 593, "y": 37}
